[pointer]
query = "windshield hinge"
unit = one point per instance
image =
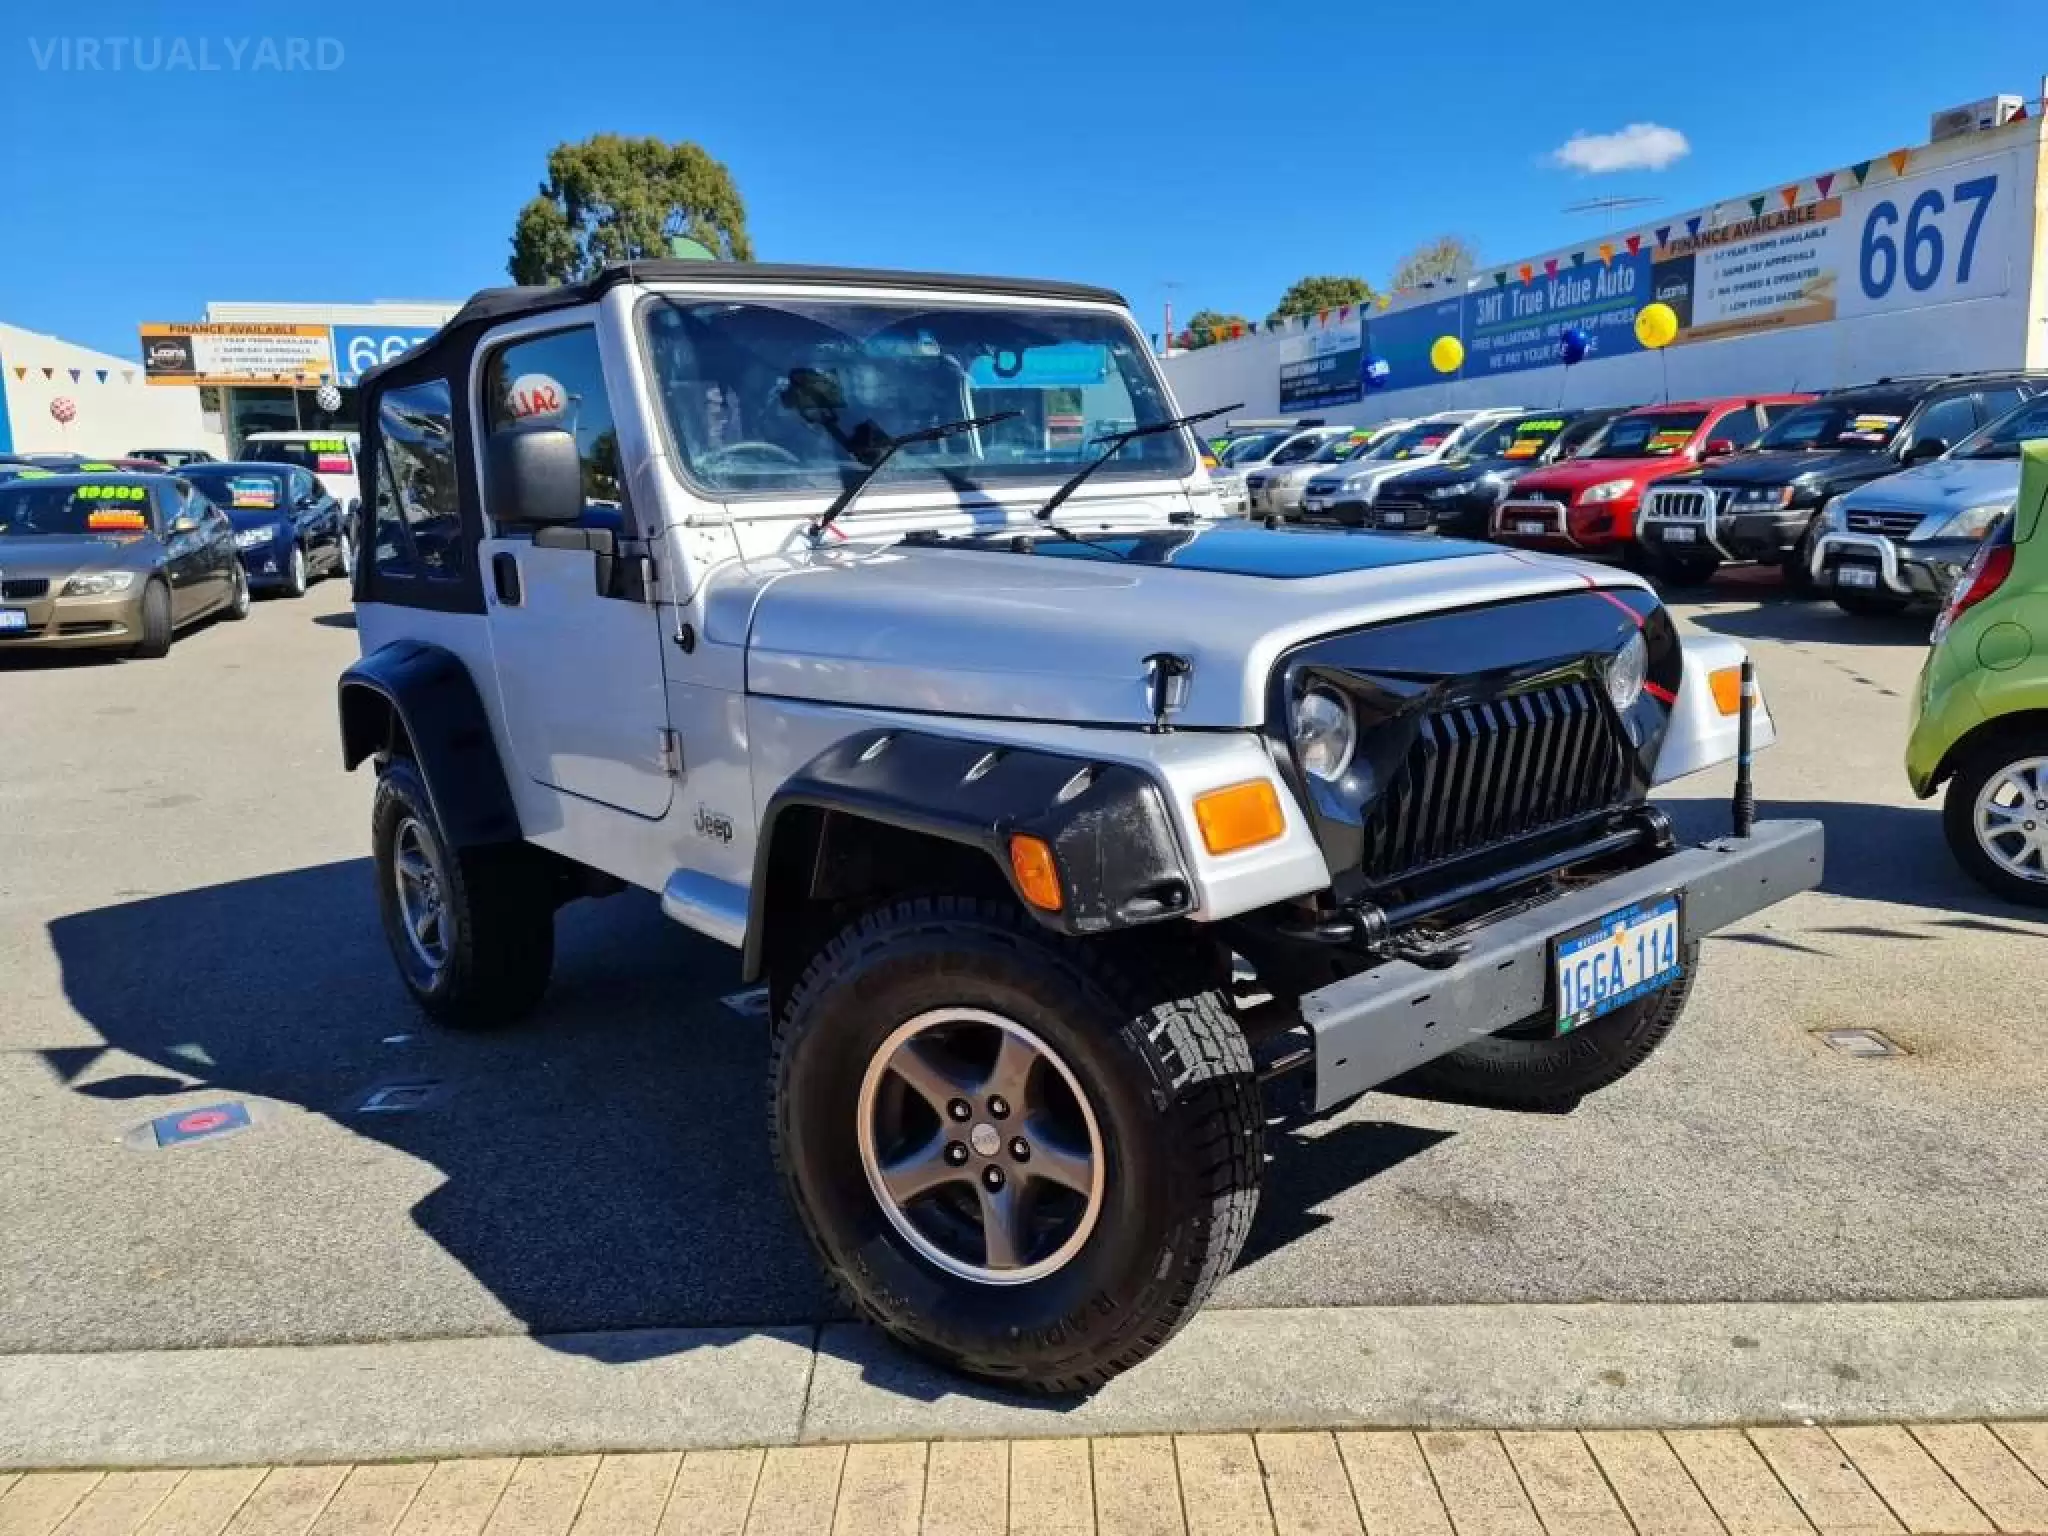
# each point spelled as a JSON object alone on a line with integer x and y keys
{"x": 669, "y": 748}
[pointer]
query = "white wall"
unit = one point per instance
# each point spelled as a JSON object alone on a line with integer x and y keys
{"x": 113, "y": 417}
{"x": 2005, "y": 329}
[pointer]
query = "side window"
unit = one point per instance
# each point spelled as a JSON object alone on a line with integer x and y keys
{"x": 1739, "y": 427}
{"x": 557, "y": 380}
{"x": 417, "y": 495}
{"x": 1999, "y": 399}
{"x": 301, "y": 488}
{"x": 1951, "y": 420}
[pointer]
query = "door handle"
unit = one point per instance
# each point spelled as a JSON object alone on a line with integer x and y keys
{"x": 505, "y": 577}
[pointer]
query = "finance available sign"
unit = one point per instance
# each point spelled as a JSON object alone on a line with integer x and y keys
{"x": 1774, "y": 271}
{"x": 238, "y": 353}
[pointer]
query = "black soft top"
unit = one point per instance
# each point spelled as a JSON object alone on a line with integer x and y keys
{"x": 493, "y": 305}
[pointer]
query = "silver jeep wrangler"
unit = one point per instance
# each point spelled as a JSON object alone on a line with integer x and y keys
{"x": 883, "y": 623}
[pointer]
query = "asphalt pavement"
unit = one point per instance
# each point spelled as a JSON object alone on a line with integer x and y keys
{"x": 187, "y": 920}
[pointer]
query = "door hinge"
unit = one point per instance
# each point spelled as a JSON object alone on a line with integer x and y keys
{"x": 669, "y": 748}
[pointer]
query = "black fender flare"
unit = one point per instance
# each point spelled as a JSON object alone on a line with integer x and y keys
{"x": 1119, "y": 859}
{"x": 426, "y": 693}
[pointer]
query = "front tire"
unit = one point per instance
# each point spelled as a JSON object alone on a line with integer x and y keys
{"x": 1996, "y": 815}
{"x": 297, "y": 579}
{"x": 157, "y": 629}
{"x": 1528, "y": 1068}
{"x": 1046, "y": 1264}
{"x": 472, "y": 930}
{"x": 238, "y": 595}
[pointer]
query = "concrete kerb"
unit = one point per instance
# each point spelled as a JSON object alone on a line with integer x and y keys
{"x": 1506, "y": 1367}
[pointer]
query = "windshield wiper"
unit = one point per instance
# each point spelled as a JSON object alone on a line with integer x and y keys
{"x": 880, "y": 448}
{"x": 1116, "y": 441}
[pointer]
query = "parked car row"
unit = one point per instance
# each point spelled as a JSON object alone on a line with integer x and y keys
{"x": 1876, "y": 495}
{"x": 108, "y": 557}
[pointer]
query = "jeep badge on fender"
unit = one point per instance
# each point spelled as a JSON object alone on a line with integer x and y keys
{"x": 1028, "y": 771}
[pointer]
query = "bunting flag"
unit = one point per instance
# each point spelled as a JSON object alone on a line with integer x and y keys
{"x": 100, "y": 374}
{"x": 74, "y": 375}
{"x": 1664, "y": 234}
{"x": 1635, "y": 244}
{"x": 49, "y": 373}
{"x": 1322, "y": 317}
{"x": 1578, "y": 258}
{"x": 1528, "y": 272}
{"x": 1384, "y": 301}
{"x": 1898, "y": 158}
{"x": 1756, "y": 207}
{"x": 21, "y": 373}
{"x": 2019, "y": 116}
{"x": 1236, "y": 331}
{"x": 1860, "y": 170}
{"x": 1790, "y": 195}
{"x": 1607, "y": 253}
{"x": 1500, "y": 279}
{"x": 127, "y": 375}
{"x": 1343, "y": 313}
{"x": 1550, "y": 266}
{"x": 1822, "y": 183}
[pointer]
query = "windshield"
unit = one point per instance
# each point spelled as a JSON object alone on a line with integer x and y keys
{"x": 1338, "y": 449}
{"x": 2002, "y": 438}
{"x": 322, "y": 455}
{"x": 1524, "y": 438}
{"x": 1861, "y": 421}
{"x": 1423, "y": 437}
{"x": 31, "y": 508}
{"x": 1652, "y": 435}
{"x": 795, "y": 394}
{"x": 1304, "y": 449}
{"x": 1245, "y": 449}
{"x": 243, "y": 490}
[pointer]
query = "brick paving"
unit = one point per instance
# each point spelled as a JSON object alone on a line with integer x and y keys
{"x": 1873, "y": 1480}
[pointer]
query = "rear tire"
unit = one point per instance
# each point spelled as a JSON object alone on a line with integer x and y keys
{"x": 1671, "y": 570}
{"x": 238, "y": 597}
{"x": 1533, "y": 1070}
{"x": 2012, "y": 757}
{"x": 472, "y": 930}
{"x": 1157, "y": 1084}
{"x": 157, "y": 630}
{"x": 297, "y": 579}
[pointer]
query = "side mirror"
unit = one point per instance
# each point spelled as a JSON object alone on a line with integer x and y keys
{"x": 1926, "y": 448}
{"x": 184, "y": 522}
{"x": 533, "y": 475}
{"x": 1719, "y": 448}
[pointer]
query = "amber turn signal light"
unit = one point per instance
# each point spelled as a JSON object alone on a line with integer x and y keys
{"x": 1038, "y": 875}
{"x": 1241, "y": 816}
{"x": 1727, "y": 686}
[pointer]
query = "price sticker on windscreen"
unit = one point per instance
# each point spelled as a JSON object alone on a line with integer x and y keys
{"x": 253, "y": 492}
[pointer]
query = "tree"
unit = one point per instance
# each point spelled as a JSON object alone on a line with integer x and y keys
{"x": 1446, "y": 257}
{"x": 612, "y": 198}
{"x": 1313, "y": 295}
{"x": 1203, "y": 328}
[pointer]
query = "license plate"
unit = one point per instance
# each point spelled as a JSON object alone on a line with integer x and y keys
{"x": 12, "y": 620}
{"x": 1677, "y": 533}
{"x": 1393, "y": 519}
{"x": 1528, "y": 526}
{"x": 1856, "y": 576}
{"x": 1610, "y": 963}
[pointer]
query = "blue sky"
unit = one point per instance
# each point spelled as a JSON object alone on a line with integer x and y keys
{"x": 1227, "y": 148}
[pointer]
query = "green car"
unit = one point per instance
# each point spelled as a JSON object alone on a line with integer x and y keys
{"x": 1980, "y": 717}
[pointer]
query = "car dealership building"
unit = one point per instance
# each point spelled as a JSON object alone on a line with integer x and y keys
{"x": 1923, "y": 260}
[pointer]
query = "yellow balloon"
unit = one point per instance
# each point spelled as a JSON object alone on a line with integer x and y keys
{"x": 1656, "y": 326}
{"x": 1447, "y": 355}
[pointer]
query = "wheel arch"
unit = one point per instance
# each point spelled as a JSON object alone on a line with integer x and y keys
{"x": 2012, "y": 722}
{"x": 418, "y": 700}
{"x": 888, "y": 812}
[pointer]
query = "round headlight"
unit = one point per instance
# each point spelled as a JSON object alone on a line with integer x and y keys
{"x": 1627, "y": 670}
{"x": 1325, "y": 733}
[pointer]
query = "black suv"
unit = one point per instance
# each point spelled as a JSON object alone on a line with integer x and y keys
{"x": 1765, "y": 504}
{"x": 1456, "y": 497}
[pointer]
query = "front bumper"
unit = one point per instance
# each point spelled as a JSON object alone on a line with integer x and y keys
{"x": 1917, "y": 568}
{"x": 1543, "y": 522}
{"x": 77, "y": 623}
{"x": 1347, "y": 509}
{"x": 1768, "y": 534}
{"x": 1463, "y": 517}
{"x": 1390, "y": 1019}
{"x": 266, "y": 565}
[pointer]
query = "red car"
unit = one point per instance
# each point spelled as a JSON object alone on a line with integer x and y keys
{"x": 1587, "y": 504}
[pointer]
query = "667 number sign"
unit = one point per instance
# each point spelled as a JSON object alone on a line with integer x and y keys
{"x": 1929, "y": 239}
{"x": 359, "y": 348}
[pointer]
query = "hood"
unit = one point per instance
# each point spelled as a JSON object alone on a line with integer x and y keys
{"x": 59, "y": 557}
{"x": 1783, "y": 467}
{"x": 1945, "y": 484}
{"x": 976, "y": 630}
{"x": 1457, "y": 471}
{"x": 1577, "y": 474}
{"x": 1370, "y": 472}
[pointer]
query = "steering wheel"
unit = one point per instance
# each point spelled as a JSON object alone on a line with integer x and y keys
{"x": 774, "y": 454}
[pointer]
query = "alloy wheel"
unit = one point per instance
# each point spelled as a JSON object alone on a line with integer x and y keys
{"x": 2011, "y": 817}
{"x": 422, "y": 898}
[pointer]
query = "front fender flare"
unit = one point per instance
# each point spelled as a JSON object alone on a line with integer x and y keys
{"x": 1108, "y": 825}
{"x": 420, "y": 698}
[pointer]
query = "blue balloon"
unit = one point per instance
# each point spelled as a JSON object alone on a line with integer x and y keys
{"x": 1573, "y": 345}
{"x": 1378, "y": 372}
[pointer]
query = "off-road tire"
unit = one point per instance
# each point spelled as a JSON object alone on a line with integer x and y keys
{"x": 1168, "y": 1076}
{"x": 1870, "y": 605}
{"x": 157, "y": 629}
{"x": 1976, "y": 765}
{"x": 1670, "y": 570}
{"x": 1527, "y": 1068}
{"x": 497, "y": 901}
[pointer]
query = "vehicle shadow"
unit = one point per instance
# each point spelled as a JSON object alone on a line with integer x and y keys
{"x": 344, "y": 620}
{"x": 1785, "y": 619}
{"x": 603, "y": 1168}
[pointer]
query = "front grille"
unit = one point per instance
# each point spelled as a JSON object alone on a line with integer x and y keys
{"x": 1482, "y": 773}
{"x": 1680, "y": 506}
{"x": 1511, "y": 514}
{"x": 23, "y": 588}
{"x": 1893, "y": 525}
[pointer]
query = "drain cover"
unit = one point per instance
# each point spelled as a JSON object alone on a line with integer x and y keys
{"x": 201, "y": 1124}
{"x": 1860, "y": 1042}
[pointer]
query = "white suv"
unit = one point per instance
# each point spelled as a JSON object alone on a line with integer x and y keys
{"x": 794, "y": 595}
{"x": 1342, "y": 494}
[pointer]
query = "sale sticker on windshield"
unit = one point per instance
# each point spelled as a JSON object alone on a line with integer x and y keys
{"x": 258, "y": 493}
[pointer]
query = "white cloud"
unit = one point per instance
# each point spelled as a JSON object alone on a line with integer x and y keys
{"x": 1638, "y": 147}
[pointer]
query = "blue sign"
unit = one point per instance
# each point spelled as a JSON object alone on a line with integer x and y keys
{"x": 1522, "y": 325}
{"x": 359, "y": 348}
{"x": 198, "y": 1124}
{"x": 1403, "y": 338}
{"x": 1063, "y": 365}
